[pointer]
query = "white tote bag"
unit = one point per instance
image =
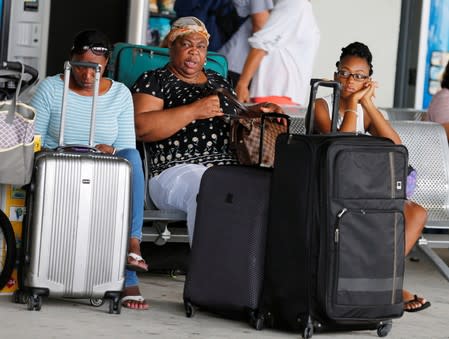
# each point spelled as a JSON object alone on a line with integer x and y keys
{"x": 16, "y": 140}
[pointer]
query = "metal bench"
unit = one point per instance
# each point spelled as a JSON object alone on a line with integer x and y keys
{"x": 429, "y": 155}
{"x": 395, "y": 113}
{"x": 297, "y": 125}
{"x": 157, "y": 222}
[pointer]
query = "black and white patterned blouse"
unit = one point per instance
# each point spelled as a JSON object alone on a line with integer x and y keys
{"x": 203, "y": 141}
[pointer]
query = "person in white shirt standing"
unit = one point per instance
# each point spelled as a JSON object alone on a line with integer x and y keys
{"x": 280, "y": 62}
{"x": 237, "y": 47}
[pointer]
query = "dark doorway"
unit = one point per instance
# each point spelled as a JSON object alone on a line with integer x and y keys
{"x": 5, "y": 8}
{"x": 407, "y": 58}
{"x": 69, "y": 17}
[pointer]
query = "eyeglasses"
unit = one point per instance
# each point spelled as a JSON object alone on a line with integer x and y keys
{"x": 95, "y": 49}
{"x": 356, "y": 76}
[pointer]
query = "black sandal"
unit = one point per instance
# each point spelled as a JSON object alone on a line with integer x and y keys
{"x": 418, "y": 300}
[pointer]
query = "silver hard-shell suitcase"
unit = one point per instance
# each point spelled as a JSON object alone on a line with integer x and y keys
{"x": 79, "y": 216}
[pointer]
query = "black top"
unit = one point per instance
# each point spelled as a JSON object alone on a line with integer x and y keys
{"x": 203, "y": 141}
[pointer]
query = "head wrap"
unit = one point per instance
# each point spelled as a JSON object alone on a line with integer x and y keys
{"x": 186, "y": 25}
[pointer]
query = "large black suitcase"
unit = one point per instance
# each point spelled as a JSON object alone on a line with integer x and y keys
{"x": 225, "y": 272}
{"x": 335, "y": 248}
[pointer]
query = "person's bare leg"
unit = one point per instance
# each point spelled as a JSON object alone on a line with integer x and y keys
{"x": 134, "y": 246}
{"x": 135, "y": 260}
{"x": 415, "y": 220}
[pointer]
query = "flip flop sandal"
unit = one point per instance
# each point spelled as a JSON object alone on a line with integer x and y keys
{"x": 137, "y": 263}
{"x": 416, "y": 299}
{"x": 136, "y": 298}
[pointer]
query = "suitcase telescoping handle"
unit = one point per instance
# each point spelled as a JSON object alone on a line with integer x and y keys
{"x": 67, "y": 69}
{"x": 310, "y": 115}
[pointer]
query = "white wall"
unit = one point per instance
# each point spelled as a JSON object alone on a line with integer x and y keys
{"x": 375, "y": 23}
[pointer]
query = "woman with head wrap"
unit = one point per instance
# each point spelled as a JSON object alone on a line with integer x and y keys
{"x": 181, "y": 118}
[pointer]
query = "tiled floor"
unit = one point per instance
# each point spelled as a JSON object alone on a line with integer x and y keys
{"x": 166, "y": 317}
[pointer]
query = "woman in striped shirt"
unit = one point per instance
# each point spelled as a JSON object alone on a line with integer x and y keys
{"x": 114, "y": 132}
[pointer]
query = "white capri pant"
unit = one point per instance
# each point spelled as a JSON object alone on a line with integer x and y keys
{"x": 177, "y": 188}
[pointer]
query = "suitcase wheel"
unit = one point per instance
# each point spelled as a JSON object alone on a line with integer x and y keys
{"x": 96, "y": 302}
{"x": 190, "y": 309}
{"x": 256, "y": 321}
{"x": 34, "y": 303}
{"x": 115, "y": 306}
{"x": 308, "y": 330}
{"x": 258, "y": 324}
{"x": 384, "y": 328}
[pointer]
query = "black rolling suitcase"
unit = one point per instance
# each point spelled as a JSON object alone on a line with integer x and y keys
{"x": 335, "y": 248}
{"x": 228, "y": 250}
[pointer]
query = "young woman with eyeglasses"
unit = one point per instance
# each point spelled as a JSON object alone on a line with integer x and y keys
{"x": 357, "y": 109}
{"x": 358, "y": 113}
{"x": 114, "y": 132}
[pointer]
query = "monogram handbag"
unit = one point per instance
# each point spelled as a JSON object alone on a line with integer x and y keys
{"x": 254, "y": 138}
{"x": 253, "y": 134}
{"x": 16, "y": 124}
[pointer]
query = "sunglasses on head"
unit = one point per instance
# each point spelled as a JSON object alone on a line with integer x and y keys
{"x": 95, "y": 49}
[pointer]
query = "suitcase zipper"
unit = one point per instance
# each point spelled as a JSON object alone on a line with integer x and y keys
{"x": 336, "y": 263}
{"x": 392, "y": 175}
{"x": 395, "y": 258}
{"x": 337, "y": 225}
{"x": 394, "y": 186}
